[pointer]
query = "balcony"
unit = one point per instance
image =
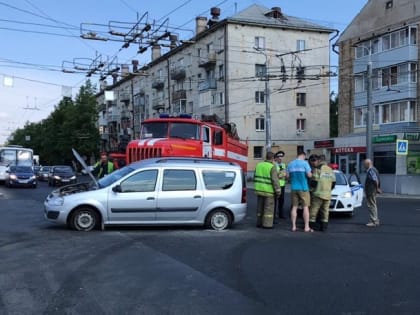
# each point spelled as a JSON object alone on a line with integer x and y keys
{"x": 101, "y": 107}
{"x": 178, "y": 73}
{"x": 158, "y": 84}
{"x": 208, "y": 62}
{"x": 209, "y": 84}
{"x": 124, "y": 97}
{"x": 158, "y": 103}
{"x": 177, "y": 95}
{"x": 113, "y": 118}
{"x": 102, "y": 121}
{"x": 125, "y": 114}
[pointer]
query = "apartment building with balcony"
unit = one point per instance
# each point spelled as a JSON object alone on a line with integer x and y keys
{"x": 236, "y": 68}
{"x": 383, "y": 37}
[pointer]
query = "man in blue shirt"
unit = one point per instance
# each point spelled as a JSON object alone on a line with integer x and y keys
{"x": 298, "y": 171}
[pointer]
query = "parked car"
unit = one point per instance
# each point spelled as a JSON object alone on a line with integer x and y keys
{"x": 61, "y": 174}
{"x": 159, "y": 191}
{"x": 37, "y": 168}
{"x": 43, "y": 173}
{"x": 347, "y": 193}
{"x": 17, "y": 175}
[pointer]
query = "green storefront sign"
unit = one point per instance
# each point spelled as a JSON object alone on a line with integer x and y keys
{"x": 413, "y": 136}
{"x": 384, "y": 139}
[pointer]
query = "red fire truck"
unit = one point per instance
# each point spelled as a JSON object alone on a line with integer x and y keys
{"x": 185, "y": 136}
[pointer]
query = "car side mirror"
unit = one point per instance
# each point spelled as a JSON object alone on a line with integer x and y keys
{"x": 117, "y": 189}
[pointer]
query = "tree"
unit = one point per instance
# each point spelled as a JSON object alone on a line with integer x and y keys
{"x": 72, "y": 124}
{"x": 333, "y": 115}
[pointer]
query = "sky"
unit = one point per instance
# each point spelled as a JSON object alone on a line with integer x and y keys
{"x": 40, "y": 38}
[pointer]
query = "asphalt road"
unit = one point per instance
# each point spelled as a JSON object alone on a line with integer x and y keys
{"x": 350, "y": 270}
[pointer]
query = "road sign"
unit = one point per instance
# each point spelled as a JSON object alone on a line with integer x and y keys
{"x": 402, "y": 147}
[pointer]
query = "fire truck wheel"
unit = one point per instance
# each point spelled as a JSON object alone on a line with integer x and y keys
{"x": 219, "y": 219}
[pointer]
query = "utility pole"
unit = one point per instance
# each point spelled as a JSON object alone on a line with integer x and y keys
{"x": 267, "y": 109}
{"x": 369, "y": 122}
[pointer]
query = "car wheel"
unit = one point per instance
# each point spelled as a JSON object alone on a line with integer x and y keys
{"x": 219, "y": 219}
{"x": 84, "y": 219}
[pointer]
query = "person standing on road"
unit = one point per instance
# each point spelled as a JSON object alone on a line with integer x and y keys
{"x": 103, "y": 167}
{"x": 298, "y": 171}
{"x": 324, "y": 178}
{"x": 279, "y": 204}
{"x": 267, "y": 188}
{"x": 372, "y": 187}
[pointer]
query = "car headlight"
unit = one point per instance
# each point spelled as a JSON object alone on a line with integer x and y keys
{"x": 13, "y": 176}
{"x": 56, "y": 201}
{"x": 33, "y": 177}
{"x": 347, "y": 194}
{"x": 73, "y": 177}
{"x": 57, "y": 177}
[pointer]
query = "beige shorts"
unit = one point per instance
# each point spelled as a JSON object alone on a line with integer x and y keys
{"x": 302, "y": 198}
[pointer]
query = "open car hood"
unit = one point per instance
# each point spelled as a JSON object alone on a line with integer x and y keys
{"x": 86, "y": 168}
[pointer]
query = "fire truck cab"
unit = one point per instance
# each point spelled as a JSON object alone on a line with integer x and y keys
{"x": 185, "y": 136}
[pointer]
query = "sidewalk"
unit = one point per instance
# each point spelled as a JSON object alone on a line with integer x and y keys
{"x": 250, "y": 185}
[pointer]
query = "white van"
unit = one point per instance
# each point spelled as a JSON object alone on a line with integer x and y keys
{"x": 158, "y": 191}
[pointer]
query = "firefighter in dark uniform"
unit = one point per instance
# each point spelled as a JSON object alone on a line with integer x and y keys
{"x": 267, "y": 188}
{"x": 281, "y": 169}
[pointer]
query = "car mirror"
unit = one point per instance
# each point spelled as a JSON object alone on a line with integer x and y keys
{"x": 354, "y": 183}
{"x": 117, "y": 188}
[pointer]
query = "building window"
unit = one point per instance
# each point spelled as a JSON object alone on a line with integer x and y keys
{"x": 259, "y": 124}
{"x": 300, "y": 45}
{"x": 258, "y": 152}
{"x": 259, "y": 97}
{"x": 260, "y": 70}
{"x": 413, "y": 72}
{"x": 300, "y": 124}
{"x": 221, "y": 72}
{"x": 300, "y": 99}
{"x": 360, "y": 117}
{"x": 198, "y": 52}
{"x": 386, "y": 42}
{"x": 259, "y": 42}
{"x": 413, "y": 35}
{"x": 360, "y": 83}
{"x": 385, "y": 162}
{"x": 221, "y": 98}
{"x": 209, "y": 48}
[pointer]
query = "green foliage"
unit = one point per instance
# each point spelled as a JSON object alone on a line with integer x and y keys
{"x": 72, "y": 124}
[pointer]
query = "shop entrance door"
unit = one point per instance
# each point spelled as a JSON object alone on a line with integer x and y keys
{"x": 343, "y": 164}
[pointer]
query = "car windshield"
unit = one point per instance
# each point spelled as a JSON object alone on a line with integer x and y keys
{"x": 154, "y": 130}
{"x": 185, "y": 131}
{"x": 114, "y": 176}
{"x": 22, "y": 169}
{"x": 340, "y": 179}
{"x": 45, "y": 169}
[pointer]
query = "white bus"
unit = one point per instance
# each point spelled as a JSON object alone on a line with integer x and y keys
{"x": 14, "y": 155}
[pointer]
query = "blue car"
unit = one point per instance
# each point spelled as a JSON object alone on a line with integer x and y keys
{"x": 20, "y": 176}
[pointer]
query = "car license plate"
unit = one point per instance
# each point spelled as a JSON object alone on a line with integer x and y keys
{"x": 65, "y": 180}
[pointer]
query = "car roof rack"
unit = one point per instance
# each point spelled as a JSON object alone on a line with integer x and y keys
{"x": 192, "y": 159}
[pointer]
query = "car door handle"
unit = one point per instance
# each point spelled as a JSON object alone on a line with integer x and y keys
{"x": 150, "y": 198}
{"x": 197, "y": 196}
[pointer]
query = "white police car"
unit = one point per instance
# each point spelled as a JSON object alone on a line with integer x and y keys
{"x": 347, "y": 193}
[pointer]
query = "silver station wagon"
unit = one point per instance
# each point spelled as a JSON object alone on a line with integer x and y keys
{"x": 159, "y": 191}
